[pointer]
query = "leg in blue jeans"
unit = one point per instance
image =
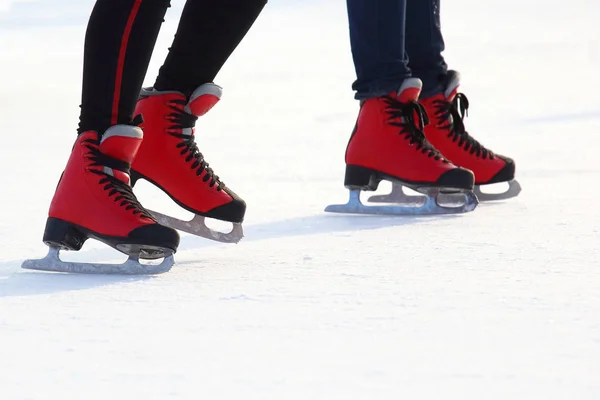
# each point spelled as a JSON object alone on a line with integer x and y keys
{"x": 377, "y": 41}
{"x": 425, "y": 43}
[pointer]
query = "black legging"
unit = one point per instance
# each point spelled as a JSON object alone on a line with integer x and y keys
{"x": 120, "y": 39}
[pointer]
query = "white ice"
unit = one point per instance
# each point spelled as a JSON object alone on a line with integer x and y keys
{"x": 502, "y": 303}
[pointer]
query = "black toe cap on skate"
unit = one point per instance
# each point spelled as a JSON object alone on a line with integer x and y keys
{"x": 458, "y": 178}
{"x": 507, "y": 173}
{"x": 155, "y": 235}
{"x": 233, "y": 211}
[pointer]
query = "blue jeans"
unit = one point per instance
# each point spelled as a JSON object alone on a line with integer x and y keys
{"x": 392, "y": 40}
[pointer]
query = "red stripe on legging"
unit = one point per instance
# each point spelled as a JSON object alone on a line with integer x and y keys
{"x": 121, "y": 61}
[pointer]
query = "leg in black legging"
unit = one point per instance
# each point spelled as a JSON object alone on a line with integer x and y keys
{"x": 208, "y": 32}
{"x": 119, "y": 42}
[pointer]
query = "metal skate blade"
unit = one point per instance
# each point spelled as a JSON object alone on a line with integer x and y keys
{"x": 197, "y": 226}
{"x": 397, "y": 195}
{"x": 430, "y": 206}
{"x": 53, "y": 263}
{"x": 514, "y": 188}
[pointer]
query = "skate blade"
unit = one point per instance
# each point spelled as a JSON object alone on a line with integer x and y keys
{"x": 514, "y": 188}
{"x": 197, "y": 226}
{"x": 422, "y": 205}
{"x": 53, "y": 263}
{"x": 397, "y": 195}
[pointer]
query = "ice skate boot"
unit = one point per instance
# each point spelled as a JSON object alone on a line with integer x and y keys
{"x": 447, "y": 133}
{"x": 169, "y": 159}
{"x": 94, "y": 199}
{"x": 388, "y": 143}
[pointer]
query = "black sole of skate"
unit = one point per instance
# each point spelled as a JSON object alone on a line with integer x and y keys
{"x": 367, "y": 179}
{"x": 68, "y": 236}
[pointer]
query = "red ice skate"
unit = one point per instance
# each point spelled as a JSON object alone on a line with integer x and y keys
{"x": 447, "y": 133}
{"x": 388, "y": 143}
{"x": 169, "y": 159}
{"x": 94, "y": 199}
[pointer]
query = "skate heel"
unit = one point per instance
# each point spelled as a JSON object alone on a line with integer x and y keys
{"x": 63, "y": 234}
{"x": 361, "y": 178}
